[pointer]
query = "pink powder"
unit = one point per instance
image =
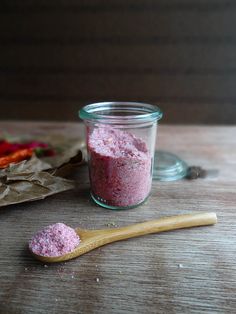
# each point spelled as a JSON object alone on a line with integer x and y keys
{"x": 54, "y": 240}
{"x": 120, "y": 167}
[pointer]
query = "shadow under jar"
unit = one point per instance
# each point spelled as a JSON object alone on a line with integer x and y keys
{"x": 121, "y": 140}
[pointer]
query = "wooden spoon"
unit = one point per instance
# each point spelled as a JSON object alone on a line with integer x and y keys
{"x": 92, "y": 239}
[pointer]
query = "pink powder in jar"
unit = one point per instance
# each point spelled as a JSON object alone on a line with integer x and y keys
{"x": 54, "y": 240}
{"x": 119, "y": 167}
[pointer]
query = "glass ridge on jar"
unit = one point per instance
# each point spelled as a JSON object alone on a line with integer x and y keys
{"x": 121, "y": 140}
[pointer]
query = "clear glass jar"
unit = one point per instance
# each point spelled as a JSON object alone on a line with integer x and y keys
{"x": 121, "y": 140}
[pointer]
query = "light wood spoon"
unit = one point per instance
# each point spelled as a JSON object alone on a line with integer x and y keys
{"x": 92, "y": 239}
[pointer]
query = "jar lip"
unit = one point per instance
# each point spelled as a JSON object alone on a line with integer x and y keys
{"x": 144, "y": 111}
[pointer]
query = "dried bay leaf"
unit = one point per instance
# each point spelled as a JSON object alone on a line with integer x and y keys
{"x": 4, "y": 191}
{"x": 69, "y": 148}
{"x": 17, "y": 187}
{"x": 34, "y": 164}
{"x": 35, "y": 179}
{"x": 42, "y": 186}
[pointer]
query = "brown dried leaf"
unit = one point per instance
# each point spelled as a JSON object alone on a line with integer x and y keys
{"x": 36, "y": 178}
{"x": 38, "y": 186}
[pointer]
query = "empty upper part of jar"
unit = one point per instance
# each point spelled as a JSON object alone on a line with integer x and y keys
{"x": 121, "y": 112}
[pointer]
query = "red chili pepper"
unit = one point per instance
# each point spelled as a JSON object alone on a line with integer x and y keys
{"x": 34, "y": 144}
{"x": 5, "y": 148}
{"x": 41, "y": 149}
{"x": 15, "y": 157}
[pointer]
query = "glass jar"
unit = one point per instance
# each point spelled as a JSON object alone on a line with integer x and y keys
{"x": 121, "y": 140}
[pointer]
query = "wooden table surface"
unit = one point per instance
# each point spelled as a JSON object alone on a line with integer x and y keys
{"x": 183, "y": 271}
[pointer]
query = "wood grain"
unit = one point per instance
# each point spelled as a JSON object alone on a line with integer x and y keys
{"x": 185, "y": 271}
{"x": 119, "y": 4}
{"x": 177, "y": 52}
{"x": 66, "y": 26}
{"x": 57, "y": 86}
{"x": 175, "y": 110}
{"x": 157, "y": 58}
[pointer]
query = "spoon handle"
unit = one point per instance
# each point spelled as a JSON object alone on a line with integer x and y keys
{"x": 159, "y": 225}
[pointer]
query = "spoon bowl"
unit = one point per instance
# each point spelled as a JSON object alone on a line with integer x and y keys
{"x": 92, "y": 239}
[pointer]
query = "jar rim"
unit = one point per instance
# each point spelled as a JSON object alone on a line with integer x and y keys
{"x": 134, "y": 111}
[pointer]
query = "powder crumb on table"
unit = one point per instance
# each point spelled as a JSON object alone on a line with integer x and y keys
{"x": 180, "y": 266}
{"x": 97, "y": 280}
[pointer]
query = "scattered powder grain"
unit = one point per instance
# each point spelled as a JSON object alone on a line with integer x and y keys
{"x": 54, "y": 240}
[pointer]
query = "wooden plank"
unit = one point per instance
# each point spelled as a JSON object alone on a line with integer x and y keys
{"x": 182, "y": 57}
{"x": 119, "y": 4}
{"x": 56, "y": 86}
{"x": 40, "y": 110}
{"x": 185, "y": 271}
{"x": 65, "y": 26}
{"x": 175, "y": 111}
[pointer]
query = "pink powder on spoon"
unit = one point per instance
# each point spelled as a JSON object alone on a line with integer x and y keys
{"x": 54, "y": 240}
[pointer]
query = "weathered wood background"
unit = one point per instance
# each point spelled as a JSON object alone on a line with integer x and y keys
{"x": 56, "y": 56}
